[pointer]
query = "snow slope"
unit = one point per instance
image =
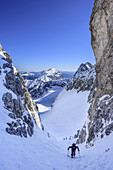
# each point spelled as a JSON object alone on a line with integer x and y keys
{"x": 36, "y": 153}
{"x": 25, "y": 153}
{"x": 46, "y": 83}
{"x": 33, "y": 79}
{"x": 68, "y": 114}
{"x": 42, "y": 153}
{"x": 46, "y": 101}
{"x": 98, "y": 157}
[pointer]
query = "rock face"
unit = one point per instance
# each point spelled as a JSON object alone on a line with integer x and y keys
{"x": 16, "y": 99}
{"x": 101, "y": 109}
{"x": 84, "y": 78}
{"x": 101, "y": 27}
{"x": 100, "y": 113}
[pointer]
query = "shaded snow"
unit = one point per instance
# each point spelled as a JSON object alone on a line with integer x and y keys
{"x": 45, "y": 102}
{"x": 68, "y": 114}
{"x": 43, "y": 153}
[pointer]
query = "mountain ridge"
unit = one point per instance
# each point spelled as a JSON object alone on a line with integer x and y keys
{"x": 16, "y": 99}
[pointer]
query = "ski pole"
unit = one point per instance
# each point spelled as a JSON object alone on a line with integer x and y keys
{"x": 68, "y": 153}
{"x": 79, "y": 153}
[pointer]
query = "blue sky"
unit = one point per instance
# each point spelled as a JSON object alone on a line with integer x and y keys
{"x": 39, "y": 34}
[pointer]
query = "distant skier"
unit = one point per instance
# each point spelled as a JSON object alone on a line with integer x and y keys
{"x": 73, "y": 149}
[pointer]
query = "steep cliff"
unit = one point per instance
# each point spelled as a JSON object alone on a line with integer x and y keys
{"x": 100, "y": 85}
{"x": 84, "y": 78}
{"x": 101, "y": 109}
{"x": 100, "y": 114}
{"x": 16, "y": 99}
{"x": 101, "y": 27}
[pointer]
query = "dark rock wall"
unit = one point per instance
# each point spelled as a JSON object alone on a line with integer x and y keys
{"x": 100, "y": 114}
{"x": 101, "y": 27}
{"x": 17, "y": 100}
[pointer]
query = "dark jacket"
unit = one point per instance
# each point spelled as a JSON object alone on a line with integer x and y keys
{"x": 73, "y": 147}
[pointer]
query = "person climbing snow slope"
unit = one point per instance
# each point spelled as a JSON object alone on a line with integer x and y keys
{"x": 73, "y": 149}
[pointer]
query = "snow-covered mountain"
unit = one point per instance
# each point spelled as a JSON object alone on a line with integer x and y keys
{"x": 46, "y": 75}
{"x": 82, "y": 113}
{"x": 84, "y": 78}
{"x": 38, "y": 83}
{"x": 45, "y": 86}
{"x": 42, "y": 151}
{"x": 77, "y": 101}
{"x": 72, "y": 104}
{"x": 23, "y": 145}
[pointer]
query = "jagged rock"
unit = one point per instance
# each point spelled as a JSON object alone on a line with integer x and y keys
{"x": 8, "y": 102}
{"x": 7, "y": 65}
{"x": 82, "y": 135}
{"x": 12, "y": 115}
{"x": 15, "y": 100}
{"x": 109, "y": 129}
{"x": 77, "y": 134}
{"x": 16, "y": 108}
{"x": 10, "y": 81}
{"x": 30, "y": 131}
{"x": 24, "y": 132}
{"x": 69, "y": 85}
{"x": 5, "y": 71}
{"x": 101, "y": 27}
{"x": 91, "y": 134}
{"x": 9, "y": 60}
{"x": 84, "y": 78}
{"x": 19, "y": 127}
{"x": 100, "y": 113}
{"x": 7, "y": 56}
{"x": 19, "y": 89}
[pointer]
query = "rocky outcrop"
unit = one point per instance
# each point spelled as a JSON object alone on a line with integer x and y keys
{"x": 100, "y": 84}
{"x": 101, "y": 27}
{"x": 17, "y": 100}
{"x": 100, "y": 113}
{"x": 42, "y": 87}
{"x": 30, "y": 104}
{"x": 84, "y": 78}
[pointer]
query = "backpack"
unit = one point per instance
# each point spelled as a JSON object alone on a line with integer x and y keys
{"x": 73, "y": 146}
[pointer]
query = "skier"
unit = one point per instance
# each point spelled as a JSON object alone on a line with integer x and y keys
{"x": 73, "y": 149}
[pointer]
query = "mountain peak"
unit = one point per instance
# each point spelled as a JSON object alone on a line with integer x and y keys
{"x": 85, "y": 67}
{"x": 1, "y": 48}
{"x": 5, "y": 54}
{"x": 52, "y": 70}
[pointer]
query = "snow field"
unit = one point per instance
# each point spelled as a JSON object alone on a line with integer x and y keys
{"x": 45, "y": 102}
{"x": 68, "y": 114}
{"x": 42, "y": 153}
